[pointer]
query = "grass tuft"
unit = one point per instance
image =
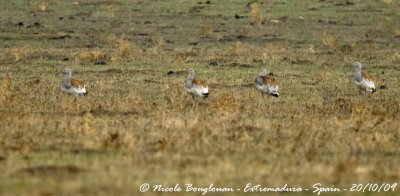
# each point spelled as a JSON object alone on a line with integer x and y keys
{"x": 206, "y": 28}
{"x": 331, "y": 40}
{"x": 86, "y": 56}
{"x": 43, "y": 6}
{"x": 256, "y": 14}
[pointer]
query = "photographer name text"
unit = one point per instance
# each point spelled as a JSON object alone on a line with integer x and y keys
{"x": 316, "y": 188}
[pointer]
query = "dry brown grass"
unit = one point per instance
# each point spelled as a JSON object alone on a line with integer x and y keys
{"x": 395, "y": 58}
{"x": 236, "y": 49}
{"x": 274, "y": 52}
{"x": 397, "y": 33}
{"x": 181, "y": 58}
{"x": 22, "y": 53}
{"x": 225, "y": 102}
{"x": 43, "y": 6}
{"x": 4, "y": 90}
{"x": 125, "y": 50}
{"x": 159, "y": 43}
{"x": 142, "y": 125}
{"x": 206, "y": 28}
{"x": 256, "y": 14}
{"x": 86, "y": 56}
{"x": 331, "y": 40}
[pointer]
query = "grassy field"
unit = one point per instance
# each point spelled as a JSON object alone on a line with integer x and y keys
{"x": 137, "y": 125}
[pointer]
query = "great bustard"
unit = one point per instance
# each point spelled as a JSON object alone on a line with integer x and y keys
{"x": 72, "y": 85}
{"x": 196, "y": 86}
{"x": 363, "y": 80}
{"x": 266, "y": 83}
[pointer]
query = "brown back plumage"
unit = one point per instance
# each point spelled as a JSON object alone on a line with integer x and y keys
{"x": 366, "y": 76}
{"x": 77, "y": 83}
{"x": 269, "y": 79}
{"x": 200, "y": 82}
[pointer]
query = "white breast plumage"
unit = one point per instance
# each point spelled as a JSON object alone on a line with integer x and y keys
{"x": 267, "y": 83}
{"x": 73, "y": 86}
{"x": 195, "y": 86}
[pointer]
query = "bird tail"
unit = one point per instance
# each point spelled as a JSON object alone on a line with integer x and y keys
{"x": 273, "y": 90}
{"x": 371, "y": 90}
{"x": 275, "y": 94}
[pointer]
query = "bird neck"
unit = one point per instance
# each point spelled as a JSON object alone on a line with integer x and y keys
{"x": 190, "y": 77}
{"x": 259, "y": 80}
{"x": 357, "y": 74}
{"x": 189, "y": 83}
{"x": 67, "y": 77}
{"x": 189, "y": 80}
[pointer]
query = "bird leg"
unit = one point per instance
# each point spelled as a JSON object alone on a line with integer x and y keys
{"x": 262, "y": 98}
{"x": 193, "y": 102}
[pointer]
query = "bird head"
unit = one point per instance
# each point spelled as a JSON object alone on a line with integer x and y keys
{"x": 191, "y": 73}
{"x": 357, "y": 65}
{"x": 263, "y": 72}
{"x": 67, "y": 71}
